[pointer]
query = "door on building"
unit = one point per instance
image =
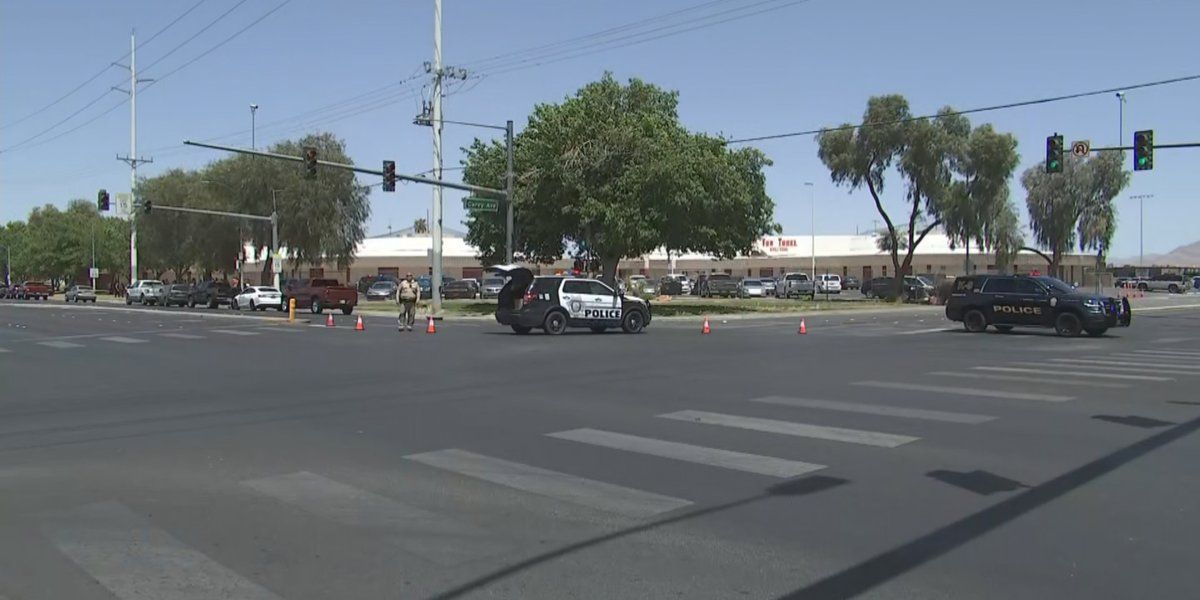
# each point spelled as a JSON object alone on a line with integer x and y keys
{"x": 316, "y": 273}
{"x": 475, "y": 273}
{"x": 867, "y": 276}
{"x": 393, "y": 272}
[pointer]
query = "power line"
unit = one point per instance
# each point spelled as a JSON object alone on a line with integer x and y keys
{"x": 101, "y": 71}
{"x": 195, "y": 35}
{"x": 974, "y": 110}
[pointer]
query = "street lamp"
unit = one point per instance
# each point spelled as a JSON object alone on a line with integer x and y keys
{"x": 812, "y": 226}
{"x": 253, "y": 109}
{"x": 1141, "y": 226}
{"x": 1120, "y": 118}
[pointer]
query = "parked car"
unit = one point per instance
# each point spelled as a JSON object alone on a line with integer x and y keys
{"x": 851, "y": 282}
{"x": 257, "y": 297}
{"x": 382, "y": 290}
{"x": 365, "y": 282}
{"x": 750, "y": 288}
{"x": 79, "y": 293}
{"x": 669, "y": 286}
{"x": 717, "y": 284}
{"x": 319, "y": 293}
{"x": 178, "y": 294}
{"x": 145, "y": 292}
{"x": 795, "y": 285}
{"x": 34, "y": 290}
{"x": 426, "y": 284}
{"x": 211, "y": 294}
{"x": 769, "y": 286}
{"x": 3, "y": 290}
{"x": 913, "y": 289}
{"x": 828, "y": 283}
{"x": 491, "y": 287}
{"x": 460, "y": 289}
{"x": 685, "y": 284}
{"x": 1163, "y": 282}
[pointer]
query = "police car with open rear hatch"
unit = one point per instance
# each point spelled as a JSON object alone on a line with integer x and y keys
{"x": 555, "y": 303}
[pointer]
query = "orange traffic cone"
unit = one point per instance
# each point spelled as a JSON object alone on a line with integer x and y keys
{"x": 329, "y": 321}
{"x": 359, "y": 325}
{"x": 706, "y": 329}
{"x": 803, "y": 329}
{"x": 430, "y": 328}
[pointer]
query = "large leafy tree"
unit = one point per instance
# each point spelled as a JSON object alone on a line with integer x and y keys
{"x": 611, "y": 173}
{"x": 1076, "y": 205}
{"x": 57, "y": 244}
{"x": 976, "y": 209}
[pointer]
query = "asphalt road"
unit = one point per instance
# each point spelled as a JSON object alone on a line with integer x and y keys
{"x": 191, "y": 454}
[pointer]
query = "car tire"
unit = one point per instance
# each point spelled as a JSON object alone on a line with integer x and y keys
{"x": 975, "y": 321}
{"x": 315, "y": 306}
{"x": 252, "y": 307}
{"x": 212, "y": 302}
{"x": 277, "y": 308}
{"x": 869, "y": 294}
{"x": 1174, "y": 289}
{"x": 1004, "y": 328}
{"x": 1068, "y": 324}
{"x": 347, "y": 310}
{"x": 598, "y": 329}
{"x": 521, "y": 329}
{"x": 191, "y": 303}
{"x": 1143, "y": 287}
{"x": 233, "y": 304}
{"x": 1096, "y": 331}
{"x": 555, "y": 323}
{"x": 634, "y": 322}
{"x": 128, "y": 301}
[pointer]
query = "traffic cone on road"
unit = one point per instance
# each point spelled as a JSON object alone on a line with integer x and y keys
{"x": 359, "y": 325}
{"x": 706, "y": 329}
{"x": 430, "y": 327}
{"x": 329, "y": 321}
{"x": 803, "y": 329}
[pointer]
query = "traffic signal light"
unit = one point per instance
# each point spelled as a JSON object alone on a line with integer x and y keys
{"x": 1054, "y": 154}
{"x": 310, "y": 162}
{"x": 389, "y": 175}
{"x": 1143, "y": 150}
{"x": 146, "y": 207}
{"x": 102, "y": 201}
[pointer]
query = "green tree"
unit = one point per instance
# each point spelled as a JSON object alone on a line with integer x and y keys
{"x": 1075, "y": 205}
{"x": 975, "y": 207}
{"x": 611, "y": 173}
{"x": 175, "y": 241}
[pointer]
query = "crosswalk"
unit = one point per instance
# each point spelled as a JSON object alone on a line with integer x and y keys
{"x": 98, "y": 340}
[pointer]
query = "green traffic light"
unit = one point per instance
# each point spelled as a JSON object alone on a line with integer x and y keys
{"x": 1142, "y": 160}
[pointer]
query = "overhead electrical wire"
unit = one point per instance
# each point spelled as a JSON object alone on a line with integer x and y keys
{"x": 195, "y": 35}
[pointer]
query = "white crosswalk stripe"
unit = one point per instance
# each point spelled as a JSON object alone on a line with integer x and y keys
{"x": 1029, "y": 380}
{"x": 123, "y": 340}
{"x": 135, "y": 560}
{"x": 807, "y": 430}
{"x": 3, "y": 350}
{"x": 59, "y": 344}
{"x": 543, "y": 482}
{"x": 727, "y": 459}
{"x": 1125, "y": 363}
{"x": 439, "y": 538}
{"x": 877, "y": 409}
{"x": 1065, "y": 373}
{"x": 182, "y": 336}
{"x": 233, "y": 331}
{"x": 963, "y": 391}
{"x": 1188, "y": 360}
{"x": 1087, "y": 368}
{"x": 1179, "y": 353}
{"x": 921, "y": 331}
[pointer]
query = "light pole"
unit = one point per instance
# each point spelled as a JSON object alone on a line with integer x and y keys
{"x": 1120, "y": 118}
{"x": 812, "y": 226}
{"x": 1141, "y": 198}
{"x": 253, "y": 109}
{"x": 276, "y": 260}
{"x": 93, "y": 269}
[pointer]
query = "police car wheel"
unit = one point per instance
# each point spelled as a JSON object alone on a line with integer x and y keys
{"x": 555, "y": 323}
{"x": 975, "y": 321}
{"x": 634, "y": 322}
{"x": 1067, "y": 325}
{"x": 1004, "y": 328}
{"x": 521, "y": 329}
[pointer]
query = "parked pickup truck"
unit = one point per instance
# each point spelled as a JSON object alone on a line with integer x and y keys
{"x": 717, "y": 284}
{"x": 33, "y": 290}
{"x": 795, "y": 285}
{"x": 1165, "y": 282}
{"x": 319, "y": 294}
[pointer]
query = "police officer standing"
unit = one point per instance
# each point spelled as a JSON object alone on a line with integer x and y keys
{"x": 407, "y": 294}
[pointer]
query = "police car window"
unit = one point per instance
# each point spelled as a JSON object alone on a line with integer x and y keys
{"x": 1000, "y": 285}
{"x": 599, "y": 289}
{"x": 1027, "y": 286}
{"x": 576, "y": 287}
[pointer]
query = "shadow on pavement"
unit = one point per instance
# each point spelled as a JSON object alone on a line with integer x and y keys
{"x": 977, "y": 481}
{"x": 798, "y": 487}
{"x": 1133, "y": 421}
{"x": 893, "y": 563}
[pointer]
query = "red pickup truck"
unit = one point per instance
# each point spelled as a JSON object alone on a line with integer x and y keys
{"x": 319, "y": 294}
{"x": 32, "y": 290}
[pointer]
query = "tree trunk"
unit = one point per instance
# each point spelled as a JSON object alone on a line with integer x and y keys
{"x": 1055, "y": 259}
{"x": 608, "y": 270}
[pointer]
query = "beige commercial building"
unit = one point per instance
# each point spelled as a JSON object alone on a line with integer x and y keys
{"x": 404, "y": 251}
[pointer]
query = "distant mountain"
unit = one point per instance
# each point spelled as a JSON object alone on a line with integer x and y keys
{"x": 1183, "y": 256}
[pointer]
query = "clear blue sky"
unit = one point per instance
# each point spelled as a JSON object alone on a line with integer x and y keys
{"x": 807, "y": 65}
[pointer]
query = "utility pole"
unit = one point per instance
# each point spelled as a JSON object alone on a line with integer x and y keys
{"x": 508, "y": 192}
{"x": 253, "y": 109}
{"x": 133, "y": 160}
{"x": 812, "y": 227}
{"x": 1141, "y": 198}
{"x": 276, "y": 260}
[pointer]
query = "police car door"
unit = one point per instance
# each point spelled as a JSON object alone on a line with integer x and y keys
{"x": 576, "y": 297}
{"x": 605, "y": 303}
{"x": 1001, "y": 292}
{"x": 1034, "y": 303}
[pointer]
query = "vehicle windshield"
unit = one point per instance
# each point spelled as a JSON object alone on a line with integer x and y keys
{"x": 493, "y": 281}
{"x": 381, "y": 285}
{"x": 1057, "y": 286}
{"x": 152, "y": 282}
{"x": 751, "y": 282}
{"x": 84, "y": 288}
{"x": 268, "y": 290}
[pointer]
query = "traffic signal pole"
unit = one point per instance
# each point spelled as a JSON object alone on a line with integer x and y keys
{"x": 132, "y": 160}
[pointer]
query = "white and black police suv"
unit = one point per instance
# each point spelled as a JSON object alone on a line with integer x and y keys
{"x": 556, "y": 303}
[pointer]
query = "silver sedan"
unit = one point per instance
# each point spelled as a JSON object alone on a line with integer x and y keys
{"x": 80, "y": 293}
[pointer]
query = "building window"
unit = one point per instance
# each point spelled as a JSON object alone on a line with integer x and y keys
{"x": 885, "y": 270}
{"x": 767, "y": 272}
{"x": 393, "y": 272}
{"x": 316, "y": 273}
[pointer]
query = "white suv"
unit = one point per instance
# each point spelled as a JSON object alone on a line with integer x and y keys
{"x": 829, "y": 284}
{"x": 145, "y": 291}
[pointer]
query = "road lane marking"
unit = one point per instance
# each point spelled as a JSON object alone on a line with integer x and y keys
{"x": 1181, "y": 359}
{"x": 963, "y": 391}
{"x": 715, "y": 457}
{"x": 920, "y": 331}
{"x": 134, "y": 559}
{"x": 877, "y": 409}
{"x": 1028, "y": 380}
{"x": 278, "y": 328}
{"x": 1107, "y": 368}
{"x": 60, "y": 345}
{"x": 552, "y": 484}
{"x": 182, "y": 336}
{"x": 1179, "y": 353}
{"x": 1124, "y": 363}
{"x": 123, "y": 340}
{"x": 233, "y": 332}
{"x": 439, "y": 538}
{"x": 3, "y": 350}
{"x": 819, "y": 432}
{"x": 1063, "y": 373}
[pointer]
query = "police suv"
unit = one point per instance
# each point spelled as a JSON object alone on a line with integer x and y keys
{"x": 556, "y": 303}
{"x": 1006, "y": 301}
